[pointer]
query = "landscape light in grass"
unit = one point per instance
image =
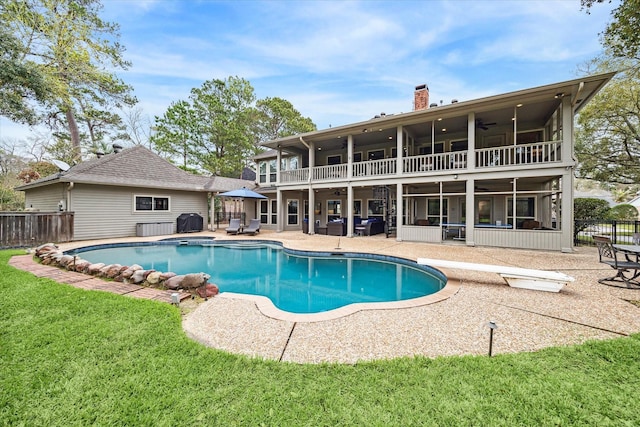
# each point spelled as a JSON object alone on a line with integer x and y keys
{"x": 175, "y": 298}
{"x": 492, "y": 325}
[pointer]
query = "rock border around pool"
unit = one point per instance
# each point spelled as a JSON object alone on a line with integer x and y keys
{"x": 194, "y": 283}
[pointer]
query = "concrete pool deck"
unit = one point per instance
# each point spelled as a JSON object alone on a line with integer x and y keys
{"x": 527, "y": 320}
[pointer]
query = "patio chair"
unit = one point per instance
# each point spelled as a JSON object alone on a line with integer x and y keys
{"x": 234, "y": 226}
{"x": 369, "y": 227}
{"x": 253, "y": 228}
{"x": 627, "y": 269}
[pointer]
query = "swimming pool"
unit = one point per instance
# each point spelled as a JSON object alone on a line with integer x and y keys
{"x": 294, "y": 281}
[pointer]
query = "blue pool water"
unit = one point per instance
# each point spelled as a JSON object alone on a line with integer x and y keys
{"x": 296, "y": 282}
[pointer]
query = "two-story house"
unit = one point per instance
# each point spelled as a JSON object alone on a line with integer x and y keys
{"x": 495, "y": 171}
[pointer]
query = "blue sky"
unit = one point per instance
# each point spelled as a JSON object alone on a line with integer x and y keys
{"x": 340, "y": 62}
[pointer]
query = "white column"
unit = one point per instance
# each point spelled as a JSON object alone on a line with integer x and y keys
{"x": 312, "y": 214}
{"x": 471, "y": 141}
{"x": 312, "y": 194}
{"x": 566, "y": 221}
{"x": 278, "y": 165}
{"x": 312, "y": 160}
{"x": 280, "y": 225}
{"x": 470, "y": 214}
{"x": 349, "y": 210}
{"x": 212, "y": 209}
{"x": 399, "y": 210}
{"x": 399, "y": 150}
{"x": 349, "y": 157}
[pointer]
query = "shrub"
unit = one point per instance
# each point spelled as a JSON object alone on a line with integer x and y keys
{"x": 590, "y": 208}
{"x": 623, "y": 212}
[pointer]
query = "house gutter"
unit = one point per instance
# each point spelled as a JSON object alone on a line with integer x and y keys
{"x": 69, "y": 188}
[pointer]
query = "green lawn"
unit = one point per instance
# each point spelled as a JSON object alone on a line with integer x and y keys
{"x": 73, "y": 357}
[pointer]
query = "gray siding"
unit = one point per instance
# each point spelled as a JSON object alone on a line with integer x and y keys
{"x": 413, "y": 233}
{"x": 103, "y": 212}
{"x": 46, "y": 198}
{"x": 522, "y": 239}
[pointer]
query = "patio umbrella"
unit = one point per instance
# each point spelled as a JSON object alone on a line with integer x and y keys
{"x": 242, "y": 193}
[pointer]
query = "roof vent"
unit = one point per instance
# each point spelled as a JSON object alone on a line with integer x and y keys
{"x": 117, "y": 148}
{"x": 99, "y": 154}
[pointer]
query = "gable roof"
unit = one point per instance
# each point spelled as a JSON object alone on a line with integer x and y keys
{"x": 137, "y": 167}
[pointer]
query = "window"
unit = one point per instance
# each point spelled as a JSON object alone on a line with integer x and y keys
{"x": 272, "y": 170}
{"x": 530, "y": 136}
{"x": 493, "y": 141}
{"x": 461, "y": 145}
{"x": 375, "y": 208}
{"x": 274, "y": 211}
{"x": 463, "y": 211}
{"x": 264, "y": 211}
{"x": 357, "y": 157}
{"x": 293, "y": 163}
{"x": 484, "y": 211}
{"x": 334, "y": 209}
{"x": 357, "y": 207}
{"x": 334, "y": 160}
{"x": 263, "y": 171}
{"x": 525, "y": 209}
{"x": 150, "y": 203}
{"x": 433, "y": 211}
{"x": 292, "y": 212}
{"x": 437, "y": 148}
{"x": 160, "y": 204}
{"x": 375, "y": 154}
{"x": 144, "y": 203}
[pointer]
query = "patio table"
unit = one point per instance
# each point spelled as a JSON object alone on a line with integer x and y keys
{"x": 628, "y": 250}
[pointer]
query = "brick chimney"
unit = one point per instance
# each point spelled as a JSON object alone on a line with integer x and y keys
{"x": 421, "y": 98}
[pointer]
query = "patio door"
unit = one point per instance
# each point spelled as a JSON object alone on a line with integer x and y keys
{"x": 484, "y": 209}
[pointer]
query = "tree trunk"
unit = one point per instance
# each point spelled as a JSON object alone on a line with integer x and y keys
{"x": 74, "y": 132}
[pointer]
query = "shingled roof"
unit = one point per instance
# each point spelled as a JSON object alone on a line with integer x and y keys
{"x": 137, "y": 167}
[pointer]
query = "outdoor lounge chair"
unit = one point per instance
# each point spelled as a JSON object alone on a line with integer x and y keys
{"x": 369, "y": 227}
{"x": 628, "y": 269}
{"x": 253, "y": 228}
{"x": 234, "y": 226}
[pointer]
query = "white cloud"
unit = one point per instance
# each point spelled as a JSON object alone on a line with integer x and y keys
{"x": 339, "y": 62}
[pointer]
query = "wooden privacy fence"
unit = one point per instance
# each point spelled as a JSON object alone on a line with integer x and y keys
{"x": 26, "y": 229}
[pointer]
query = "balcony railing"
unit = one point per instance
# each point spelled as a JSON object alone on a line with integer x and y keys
{"x": 375, "y": 167}
{"x": 294, "y": 175}
{"x": 435, "y": 162}
{"x": 330, "y": 172}
{"x": 512, "y": 155}
{"x": 522, "y": 154}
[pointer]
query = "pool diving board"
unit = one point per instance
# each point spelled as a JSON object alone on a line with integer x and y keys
{"x": 516, "y": 277}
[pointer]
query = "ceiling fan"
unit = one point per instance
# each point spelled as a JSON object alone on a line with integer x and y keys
{"x": 484, "y": 126}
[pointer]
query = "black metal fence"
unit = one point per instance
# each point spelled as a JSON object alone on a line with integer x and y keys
{"x": 225, "y": 217}
{"x": 623, "y": 232}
